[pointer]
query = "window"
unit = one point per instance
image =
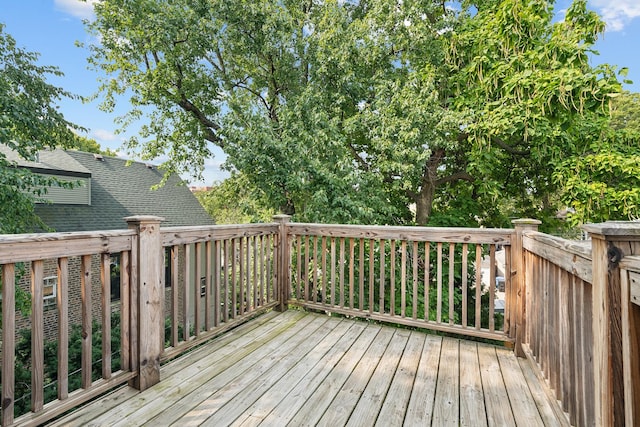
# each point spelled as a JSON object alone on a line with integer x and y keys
{"x": 49, "y": 290}
{"x": 115, "y": 277}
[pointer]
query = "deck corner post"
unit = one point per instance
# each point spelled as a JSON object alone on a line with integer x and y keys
{"x": 283, "y": 284}
{"x": 520, "y": 282}
{"x": 147, "y": 300}
{"x": 611, "y": 241}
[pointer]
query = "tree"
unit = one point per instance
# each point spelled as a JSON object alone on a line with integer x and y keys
{"x": 354, "y": 111}
{"x": 625, "y": 112}
{"x": 29, "y": 122}
{"x": 89, "y": 145}
{"x": 234, "y": 201}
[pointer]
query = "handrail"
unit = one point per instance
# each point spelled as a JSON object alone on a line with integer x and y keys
{"x": 379, "y": 273}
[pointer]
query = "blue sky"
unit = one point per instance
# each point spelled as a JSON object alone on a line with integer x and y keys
{"x": 51, "y": 27}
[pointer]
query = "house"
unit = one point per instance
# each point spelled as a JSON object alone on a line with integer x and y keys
{"x": 106, "y": 190}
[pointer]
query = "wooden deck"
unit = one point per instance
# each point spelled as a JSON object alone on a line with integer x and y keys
{"x": 296, "y": 368}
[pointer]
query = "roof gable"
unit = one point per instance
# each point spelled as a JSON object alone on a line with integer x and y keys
{"x": 118, "y": 190}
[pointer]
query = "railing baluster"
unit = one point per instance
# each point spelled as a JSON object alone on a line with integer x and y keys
{"x": 371, "y": 273}
{"x": 403, "y": 279}
{"x": 186, "y": 296}
{"x": 217, "y": 267}
{"x": 105, "y": 281}
{"x": 383, "y": 250}
{"x": 492, "y": 287}
{"x": 478, "y": 267}
{"x": 175, "y": 294}
{"x": 451, "y": 283}
{"x": 342, "y": 250}
{"x": 314, "y": 283}
{"x": 392, "y": 279}
{"x": 299, "y": 267}
{"x": 62, "y": 301}
{"x": 439, "y": 283}
{"x": 228, "y": 260}
{"x": 427, "y": 283}
{"x": 85, "y": 294}
{"x": 465, "y": 274}
{"x": 324, "y": 270}
{"x": 414, "y": 292}
{"x": 361, "y": 275}
{"x": 333, "y": 271}
{"x": 37, "y": 336}
{"x": 351, "y": 271}
{"x": 207, "y": 293}
{"x": 305, "y": 272}
{"x": 125, "y": 310}
{"x": 197, "y": 292}
{"x": 8, "y": 341}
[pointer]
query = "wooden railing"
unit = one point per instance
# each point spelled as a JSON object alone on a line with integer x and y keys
{"x": 229, "y": 272}
{"x": 570, "y": 309}
{"x": 416, "y": 276}
{"x": 26, "y": 257}
{"x": 558, "y": 275}
{"x": 630, "y": 292}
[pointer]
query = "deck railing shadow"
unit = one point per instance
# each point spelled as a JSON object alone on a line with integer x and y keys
{"x": 570, "y": 308}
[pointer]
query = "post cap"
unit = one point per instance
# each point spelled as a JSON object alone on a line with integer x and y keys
{"x": 615, "y": 229}
{"x": 143, "y": 218}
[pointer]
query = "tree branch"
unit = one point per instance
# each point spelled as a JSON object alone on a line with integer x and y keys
{"x": 509, "y": 149}
{"x": 462, "y": 175}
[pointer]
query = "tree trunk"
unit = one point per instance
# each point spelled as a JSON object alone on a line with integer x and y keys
{"x": 424, "y": 201}
{"x": 424, "y": 197}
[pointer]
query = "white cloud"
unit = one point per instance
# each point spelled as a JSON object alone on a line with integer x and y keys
{"x": 78, "y": 8}
{"x": 617, "y": 14}
{"x": 105, "y": 135}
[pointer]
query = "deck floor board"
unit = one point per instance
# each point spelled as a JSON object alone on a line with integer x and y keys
{"x": 303, "y": 369}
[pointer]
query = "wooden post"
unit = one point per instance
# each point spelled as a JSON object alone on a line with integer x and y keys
{"x": 147, "y": 300}
{"x": 519, "y": 280}
{"x": 611, "y": 241}
{"x": 283, "y": 284}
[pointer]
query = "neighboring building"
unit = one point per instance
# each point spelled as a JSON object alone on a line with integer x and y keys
{"x": 109, "y": 190}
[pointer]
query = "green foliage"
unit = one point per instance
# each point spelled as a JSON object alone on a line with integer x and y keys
{"x": 88, "y": 145}
{"x": 603, "y": 184}
{"x": 353, "y": 111}
{"x": 625, "y": 112}
{"x": 234, "y": 201}
{"x": 23, "y": 369}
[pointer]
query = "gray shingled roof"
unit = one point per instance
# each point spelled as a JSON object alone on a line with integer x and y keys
{"x": 49, "y": 161}
{"x": 118, "y": 191}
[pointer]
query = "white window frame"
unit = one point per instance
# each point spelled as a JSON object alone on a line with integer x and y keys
{"x": 50, "y": 299}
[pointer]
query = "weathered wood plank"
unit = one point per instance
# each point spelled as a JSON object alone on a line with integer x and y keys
{"x": 85, "y": 295}
{"x": 523, "y": 406}
{"x": 419, "y": 234}
{"x": 62, "y": 301}
{"x": 498, "y": 410}
{"x": 245, "y": 390}
{"x": 472, "y": 409}
{"x": 183, "y": 387}
{"x": 274, "y": 374}
{"x": 567, "y": 254}
{"x": 347, "y": 397}
{"x": 8, "y": 341}
{"x": 446, "y": 412}
{"x": 189, "y": 234}
{"x": 298, "y": 396}
{"x": 41, "y": 246}
{"x": 397, "y": 399}
{"x": 324, "y": 394}
{"x": 37, "y": 336}
{"x": 420, "y": 408}
{"x": 366, "y": 410}
{"x": 321, "y": 358}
